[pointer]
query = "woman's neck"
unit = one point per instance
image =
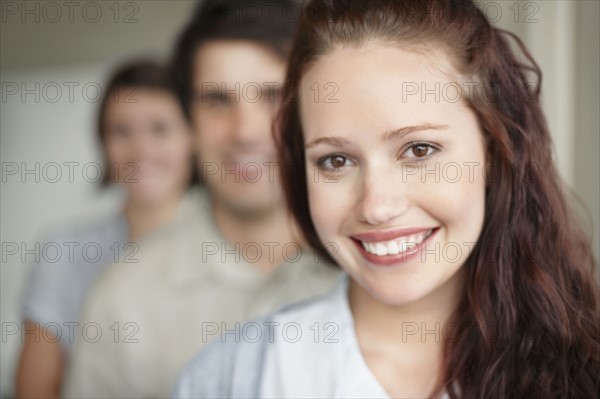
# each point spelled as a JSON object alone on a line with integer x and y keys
{"x": 404, "y": 344}
{"x": 143, "y": 218}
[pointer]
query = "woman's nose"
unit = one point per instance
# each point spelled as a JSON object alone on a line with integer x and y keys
{"x": 382, "y": 197}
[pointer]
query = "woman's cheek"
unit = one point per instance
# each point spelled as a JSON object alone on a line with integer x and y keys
{"x": 318, "y": 207}
{"x": 445, "y": 199}
{"x": 326, "y": 208}
{"x": 460, "y": 207}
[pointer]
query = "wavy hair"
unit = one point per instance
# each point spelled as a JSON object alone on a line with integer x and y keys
{"x": 530, "y": 276}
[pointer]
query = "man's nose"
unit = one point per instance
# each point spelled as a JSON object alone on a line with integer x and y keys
{"x": 251, "y": 122}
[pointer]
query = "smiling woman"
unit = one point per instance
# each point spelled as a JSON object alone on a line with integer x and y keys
{"x": 425, "y": 248}
{"x": 378, "y": 207}
{"x": 468, "y": 275}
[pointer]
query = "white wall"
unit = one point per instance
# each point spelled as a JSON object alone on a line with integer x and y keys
{"x": 48, "y": 135}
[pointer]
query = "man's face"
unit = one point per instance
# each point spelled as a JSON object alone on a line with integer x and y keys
{"x": 237, "y": 86}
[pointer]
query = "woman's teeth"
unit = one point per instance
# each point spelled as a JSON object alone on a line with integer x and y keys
{"x": 397, "y": 245}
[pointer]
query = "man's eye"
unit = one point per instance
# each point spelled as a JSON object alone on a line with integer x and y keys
{"x": 215, "y": 99}
{"x": 333, "y": 162}
{"x": 160, "y": 129}
{"x": 419, "y": 150}
{"x": 219, "y": 100}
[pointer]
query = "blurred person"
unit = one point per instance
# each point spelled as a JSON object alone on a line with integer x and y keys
{"x": 241, "y": 256}
{"x": 472, "y": 284}
{"x": 147, "y": 146}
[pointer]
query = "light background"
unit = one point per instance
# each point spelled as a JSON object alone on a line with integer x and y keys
{"x": 564, "y": 37}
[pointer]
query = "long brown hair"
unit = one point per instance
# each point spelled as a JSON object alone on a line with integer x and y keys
{"x": 530, "y": 276}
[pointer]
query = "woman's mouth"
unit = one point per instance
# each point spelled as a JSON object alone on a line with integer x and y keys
{"x": 391, "y": 247}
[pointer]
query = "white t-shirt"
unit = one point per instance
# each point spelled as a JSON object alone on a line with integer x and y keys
{"x": 315, "y": 352}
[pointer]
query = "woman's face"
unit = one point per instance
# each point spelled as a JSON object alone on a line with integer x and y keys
{"x": 148, "y": 144}
{"x": 394, "y": 169}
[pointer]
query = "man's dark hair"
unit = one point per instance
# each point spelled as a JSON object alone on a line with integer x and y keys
{"x": 271, "y": 23}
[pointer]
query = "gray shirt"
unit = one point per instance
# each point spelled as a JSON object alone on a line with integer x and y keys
{"x": 69, "y": 262}
{"x": 189, "y": 286}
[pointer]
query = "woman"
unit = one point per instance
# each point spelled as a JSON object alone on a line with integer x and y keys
{"x": 428, "y": 177}
{"x": 148, "y": 151}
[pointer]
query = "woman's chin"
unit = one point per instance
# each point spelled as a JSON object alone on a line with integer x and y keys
{"x": 391, "y": 292}
{"x": 146, "y": 194}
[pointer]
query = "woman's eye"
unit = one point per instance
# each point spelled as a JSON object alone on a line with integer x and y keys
{"x": 419, "y": 150}
{"x": 119, "y": 131}
{"x": 333, "y": 162}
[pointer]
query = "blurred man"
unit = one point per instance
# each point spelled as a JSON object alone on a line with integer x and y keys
{"x": 240, "y": 257}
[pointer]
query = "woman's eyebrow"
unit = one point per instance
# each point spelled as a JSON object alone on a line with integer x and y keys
{"x": 403, "y": 131}
{"x": 331, "y": 140}
{"x": 336, "y": 141}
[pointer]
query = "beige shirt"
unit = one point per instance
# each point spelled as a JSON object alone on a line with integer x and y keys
{"x": 143, "y": 322}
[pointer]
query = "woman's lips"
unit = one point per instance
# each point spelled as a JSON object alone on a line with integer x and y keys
{"x": 410, "y": 254}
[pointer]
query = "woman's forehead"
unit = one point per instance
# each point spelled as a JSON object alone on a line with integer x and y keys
{"x": 382, "y": 84}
